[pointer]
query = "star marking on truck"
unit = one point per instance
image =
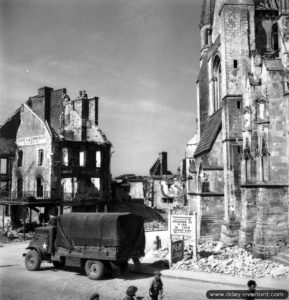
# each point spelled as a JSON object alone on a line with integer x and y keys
{"x": 44, "y": 246}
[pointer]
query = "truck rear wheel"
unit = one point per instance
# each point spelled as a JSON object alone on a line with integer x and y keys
{"x": 94, "y": 269}
{"x": 32, "y": 260}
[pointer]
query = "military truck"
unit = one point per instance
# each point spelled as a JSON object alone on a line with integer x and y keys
{"x": 95, "y": 242}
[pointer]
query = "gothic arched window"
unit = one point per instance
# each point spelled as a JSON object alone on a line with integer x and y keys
{"x": 261, "y": 37}
{"x": 217, "y": 80}
{"x": 207, "y": 36}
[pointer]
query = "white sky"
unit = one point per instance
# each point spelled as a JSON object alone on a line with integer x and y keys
{"x": 140, "y": 57}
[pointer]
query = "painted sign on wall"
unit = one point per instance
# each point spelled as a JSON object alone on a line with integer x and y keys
{"x": 32, "y": 140}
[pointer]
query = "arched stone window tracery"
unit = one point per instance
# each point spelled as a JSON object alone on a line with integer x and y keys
{"x": 217, "y": 83}
{"x": 262, "y": 110}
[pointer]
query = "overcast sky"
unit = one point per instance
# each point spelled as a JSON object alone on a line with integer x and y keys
{"x": 140, "y": 57}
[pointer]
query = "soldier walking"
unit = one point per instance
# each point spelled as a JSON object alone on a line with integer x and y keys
{"x": 156, "y": 287}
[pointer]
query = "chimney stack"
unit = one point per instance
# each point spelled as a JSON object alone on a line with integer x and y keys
{"x": 45, "y": 93}
{"x": 163, "y": 157}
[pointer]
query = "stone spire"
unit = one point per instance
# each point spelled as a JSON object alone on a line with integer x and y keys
{"x": 284, "y": 7}
{"x": 207, "y": 14}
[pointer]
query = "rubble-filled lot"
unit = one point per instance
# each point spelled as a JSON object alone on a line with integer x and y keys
{"x": 214, "y": 258}
{"x": 176, "y": 210}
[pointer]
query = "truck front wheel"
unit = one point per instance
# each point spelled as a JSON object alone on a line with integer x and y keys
{"x": 32, "y": 260}
{"x": 94, "y": 269}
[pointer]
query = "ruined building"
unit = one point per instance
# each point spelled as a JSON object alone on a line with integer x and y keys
{"x": 238, "y": 161}
{"x": 54, "y": 156}
{"x": 162, "y": 189}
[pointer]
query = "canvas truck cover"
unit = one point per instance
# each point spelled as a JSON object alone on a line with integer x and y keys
{"x": 100, "y": 229}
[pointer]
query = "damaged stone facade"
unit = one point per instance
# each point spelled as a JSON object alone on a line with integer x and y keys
{"x": 163, "y": 189}
{"x": 238, "y": 161}
{"x": 60, "y": 158}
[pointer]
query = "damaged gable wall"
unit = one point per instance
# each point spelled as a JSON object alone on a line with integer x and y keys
{"x": 32, "y": 137}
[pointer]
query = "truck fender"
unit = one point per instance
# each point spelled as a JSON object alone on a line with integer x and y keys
{"x": 33, "y": 248}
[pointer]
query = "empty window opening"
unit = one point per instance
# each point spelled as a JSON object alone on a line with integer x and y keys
{"x": 238, "y": 104}
{"x": 39, "y": 187}
{"x": 235, "y": 64}
{"x": 19, "y": 187}
{"x": 20, "y": 158}
{"x": 65, "y": 156}
{"x": 40, "y": 157}
{"x": 261, "y": 110}
{"x": 168, "y": 200}
{"x": 3, "y": 166}
{"x": 207, "y": 34}
{"x": 7, "y": 210}
{"x": 82, "y": 158}
{"x": 217, "y": 87}
{"x": 275, "y": 37}
{"x": 98, "y": 159}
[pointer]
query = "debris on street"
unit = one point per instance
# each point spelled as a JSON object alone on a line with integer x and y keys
{"x": 215, "y": 258}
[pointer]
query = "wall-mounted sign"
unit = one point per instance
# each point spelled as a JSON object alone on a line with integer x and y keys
{"x": 32, "y": 140}
{"x": 177, "y": 251}
{"x": 182, "y": 224}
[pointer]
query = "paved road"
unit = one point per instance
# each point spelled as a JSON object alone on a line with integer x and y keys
{"x": 48, "y": 283}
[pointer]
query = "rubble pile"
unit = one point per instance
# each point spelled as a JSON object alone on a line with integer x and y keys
{"x": 214, "y": 258}
{"x": 15, "y": 235}
{"x": 176, "y": 210}
{"x": 154, "y": 226}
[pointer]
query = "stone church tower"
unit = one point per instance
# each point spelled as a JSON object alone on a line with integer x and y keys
{"x": 238, "y": 174}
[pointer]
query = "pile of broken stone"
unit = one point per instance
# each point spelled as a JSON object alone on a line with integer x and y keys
{"x": 214, "y": 258}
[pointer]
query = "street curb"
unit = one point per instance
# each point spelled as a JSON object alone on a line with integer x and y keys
{"x": 262, "y": 283}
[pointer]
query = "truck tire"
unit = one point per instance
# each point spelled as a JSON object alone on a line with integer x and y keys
{"x": 32, "y": 260}
{"x": 94, "y": 269}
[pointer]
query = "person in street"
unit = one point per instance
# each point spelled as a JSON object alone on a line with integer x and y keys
{"x": 156, "y": 287}
{"x": 130, "y": 293}
{"x": 94, "y": 296}
{"x": 252, "y": 289}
